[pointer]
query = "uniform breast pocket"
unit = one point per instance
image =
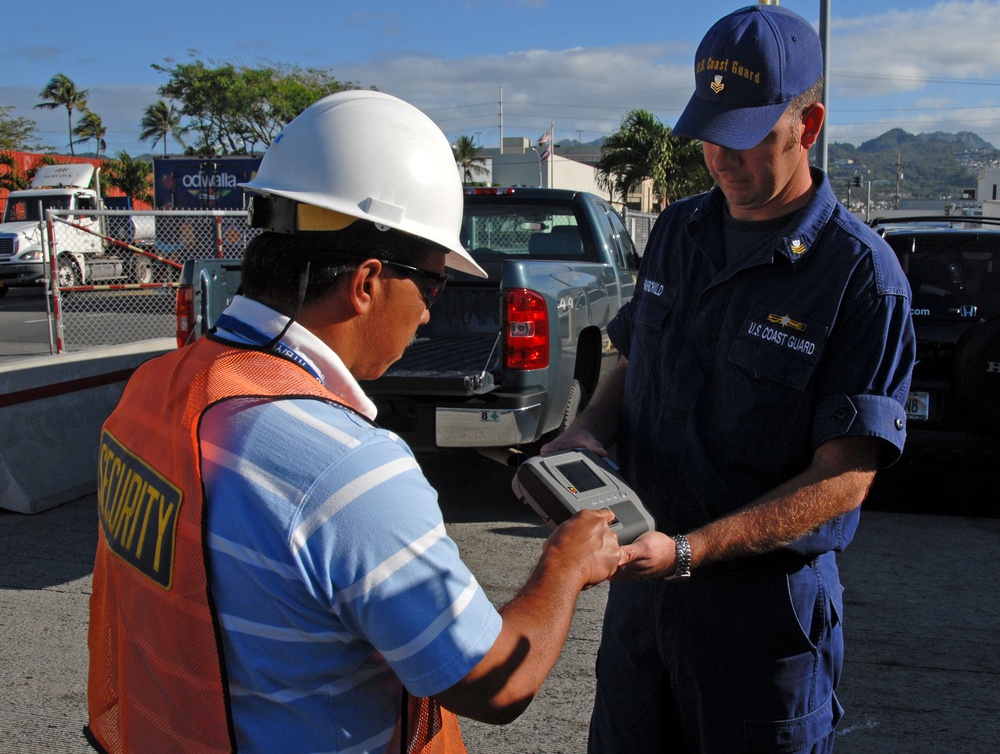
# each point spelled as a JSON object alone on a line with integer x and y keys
{"x": 650, "y": 324}
{"x": 778, "y": 348}
{"x": 651, "y": 311}
{"x": 764, "y": 364}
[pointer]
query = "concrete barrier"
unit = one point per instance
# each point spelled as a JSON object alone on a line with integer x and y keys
{"x": 51, "y": 412}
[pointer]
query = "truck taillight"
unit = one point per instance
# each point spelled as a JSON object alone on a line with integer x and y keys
{"x": 527, "y": 327}
{"x": 184, "y": 310}
{"x": 489, "y": 191}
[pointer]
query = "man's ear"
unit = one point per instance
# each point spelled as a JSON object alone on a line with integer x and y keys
{"x": 812, "y": 122}
{"x": 362, "y": 285}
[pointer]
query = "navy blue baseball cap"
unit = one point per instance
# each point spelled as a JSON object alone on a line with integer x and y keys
{"x": 749, "y": 66}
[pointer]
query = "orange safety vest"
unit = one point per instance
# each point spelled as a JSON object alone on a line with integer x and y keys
{"x": 157, "y": 679}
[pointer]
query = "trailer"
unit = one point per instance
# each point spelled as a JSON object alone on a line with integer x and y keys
{"x": 202, "y": 183}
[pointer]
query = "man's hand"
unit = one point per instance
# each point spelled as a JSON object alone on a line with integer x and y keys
{"x": 586, "y": 543}
{"x": 654, "y": 554}
{"x": 575, "y": 437}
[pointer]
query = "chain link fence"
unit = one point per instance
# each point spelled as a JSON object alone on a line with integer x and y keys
{"x": 116, "y": 272}
{"x": 639, "y": 224}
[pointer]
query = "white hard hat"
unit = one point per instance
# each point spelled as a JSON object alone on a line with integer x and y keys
{"x": 370, "y": 156}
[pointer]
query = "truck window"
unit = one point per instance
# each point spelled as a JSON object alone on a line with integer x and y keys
{"x": 629, "y": 256}
{"x": 951, "y": 275}
{"x": 496, "y": 229}
{"x": 19, "y": 210}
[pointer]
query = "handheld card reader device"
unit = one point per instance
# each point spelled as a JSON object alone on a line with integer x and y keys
{"x": 557, "y": 485}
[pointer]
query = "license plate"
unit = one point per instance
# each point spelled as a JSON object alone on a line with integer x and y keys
{"x": 918, "y": 405}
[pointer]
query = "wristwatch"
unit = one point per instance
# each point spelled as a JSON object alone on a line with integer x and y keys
{"x": 682, "y": 567}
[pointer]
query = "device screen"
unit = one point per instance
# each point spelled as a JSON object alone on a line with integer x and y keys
{"x": 581, "y": 476}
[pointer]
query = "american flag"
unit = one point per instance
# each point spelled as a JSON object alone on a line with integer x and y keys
{"x": 545, "y": 146}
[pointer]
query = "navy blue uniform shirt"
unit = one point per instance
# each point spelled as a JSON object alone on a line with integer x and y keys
{"x": 738, "y": 372}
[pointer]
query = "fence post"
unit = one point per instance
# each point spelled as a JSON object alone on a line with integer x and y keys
{"x": 55, "y": 317}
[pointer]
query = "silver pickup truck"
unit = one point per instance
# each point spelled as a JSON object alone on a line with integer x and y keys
{"x": 504, "y": 362}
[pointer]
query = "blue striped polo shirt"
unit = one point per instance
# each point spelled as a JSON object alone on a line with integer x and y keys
{"x": 333, "y": 576}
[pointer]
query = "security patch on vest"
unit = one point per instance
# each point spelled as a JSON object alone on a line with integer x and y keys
{"x": 138, "y": 509}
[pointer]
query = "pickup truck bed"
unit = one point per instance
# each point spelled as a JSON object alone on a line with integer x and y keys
{"x": 504, "y": 362}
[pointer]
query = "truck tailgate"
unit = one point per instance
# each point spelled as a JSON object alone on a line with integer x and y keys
{"x": 445, "y": 364}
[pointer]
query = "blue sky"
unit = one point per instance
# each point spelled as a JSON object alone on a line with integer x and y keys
{"x": 918, "y": 65}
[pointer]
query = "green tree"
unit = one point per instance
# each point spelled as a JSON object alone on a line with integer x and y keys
{"x": 689, "y": 176}
{"x": 132, "y": 177}
{"x": 642, "y": 148}
{"x": 16, "y": 134}
{"x": 467, "y": 157}
{"x": 62, "y": 92}
{"x": 90, "y": 126}
{"x": 12, "y": 179}
{"x": 236, "y": 109}
{"x": 160, "y": 121}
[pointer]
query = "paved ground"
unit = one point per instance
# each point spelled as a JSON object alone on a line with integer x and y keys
{"x": 922, "y": 617}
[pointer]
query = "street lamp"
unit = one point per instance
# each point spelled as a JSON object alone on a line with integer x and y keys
{"x": 539, "y": 156}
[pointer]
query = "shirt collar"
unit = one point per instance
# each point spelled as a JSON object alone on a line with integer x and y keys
{"x": 322, "y": 359}
{"x": 801, "y": 234}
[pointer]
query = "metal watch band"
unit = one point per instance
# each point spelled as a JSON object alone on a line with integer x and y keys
{"x": 682, "y": 568}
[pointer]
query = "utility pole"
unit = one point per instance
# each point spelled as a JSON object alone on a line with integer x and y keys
{"x": 899, "y": 176}
{"x": 824, "y": 37}
{"x": 552, "y": 153}
{"x": 501, "y": 120}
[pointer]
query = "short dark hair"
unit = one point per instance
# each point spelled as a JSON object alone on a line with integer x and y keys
{"x": 809, "y": 97}
{"x": 273, "y": 262}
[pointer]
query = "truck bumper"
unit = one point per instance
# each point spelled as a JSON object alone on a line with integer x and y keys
{"x": 494, "y": 420}
{"x": 486, "y": 427}
{"x": 22, "y": 274}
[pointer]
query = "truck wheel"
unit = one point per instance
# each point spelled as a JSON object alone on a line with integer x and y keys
{"x": 144, "y": 271}
{"x": 67, "y": 272}
{"x": 977, "y": 374}
{"x": 3, "y": 290}
{"x": 574, "y": 405}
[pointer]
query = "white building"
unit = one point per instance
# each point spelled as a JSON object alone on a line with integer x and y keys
{"x": 989, "y": 192}
{"x": 565, "y": 167}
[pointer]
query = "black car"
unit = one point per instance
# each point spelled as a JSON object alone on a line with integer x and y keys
{"x": 953, "y": 266}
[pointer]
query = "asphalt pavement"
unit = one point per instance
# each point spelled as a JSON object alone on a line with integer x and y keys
{"x": 921, "y": 626}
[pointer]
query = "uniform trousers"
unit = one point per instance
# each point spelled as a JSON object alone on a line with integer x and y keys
{"x": 740, "y": 657}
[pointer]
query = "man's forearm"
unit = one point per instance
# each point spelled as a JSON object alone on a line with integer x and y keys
{"x": 580, "y": 552}
{"x": 834, "y": 484}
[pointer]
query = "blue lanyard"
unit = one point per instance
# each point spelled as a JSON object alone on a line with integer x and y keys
{"x": 258, "y": 338}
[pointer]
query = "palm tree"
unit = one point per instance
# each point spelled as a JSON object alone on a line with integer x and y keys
{"x": 690, "y": 175}
{"x": 133, "y": 177}
{"x": 12, "y": 179}
{"x": 62, "y": 92}
{"x": 644, "y": 148}
{"x": 638, "y": 150}
{"x": 159, "y": 121}
{"x": 467, "y": 157}
{"x": 90, "y": 127}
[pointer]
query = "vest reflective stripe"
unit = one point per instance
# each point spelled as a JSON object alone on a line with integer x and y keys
{"x": 157, "y": 681}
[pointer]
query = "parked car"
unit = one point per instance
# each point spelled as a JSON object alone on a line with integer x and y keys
{"x": 953, "y": 266}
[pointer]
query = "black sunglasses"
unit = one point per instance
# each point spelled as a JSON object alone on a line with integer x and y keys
{"x": 435, "y": 280}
